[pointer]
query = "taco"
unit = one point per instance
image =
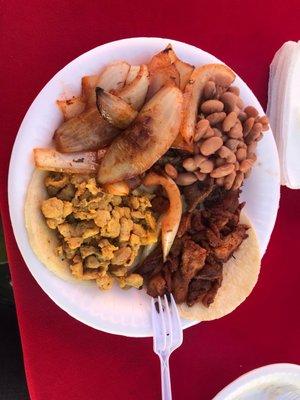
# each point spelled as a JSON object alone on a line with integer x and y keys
{"x": 238, "y": 275}
{"x": 79, "y": 232}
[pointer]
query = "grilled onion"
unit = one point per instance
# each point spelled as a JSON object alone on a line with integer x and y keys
{"x": 146, "y": 140}
{"x": 87, "y": 131}
{"x": 135, "y": 92}
{"x": 114, "y": 110}
{"x": 72, "y": 107}
{"x": 193, "y": 93}
{"x": 185, "y": 71}
{"x": 132, "y": 74}
{"x": 52, "y": 160}
{"x": 171, "y": 219}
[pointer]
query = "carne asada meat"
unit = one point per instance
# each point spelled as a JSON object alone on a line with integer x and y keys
{"x": 193, "y": 258}
{"x": 207, "y": 237}
{"x": 230, "y": 243}
{"x": 196, "y": 193}
{"x": 205, "y": 285}
{"x": 157, "y": 285}
{"x": 152, "y": 264}
{"x": 185, "y": 224}
{"x": 160, "y": 204}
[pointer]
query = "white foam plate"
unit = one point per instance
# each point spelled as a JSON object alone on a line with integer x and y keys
{"x": 120, "y": 312}
{"x": 271, "y": 382}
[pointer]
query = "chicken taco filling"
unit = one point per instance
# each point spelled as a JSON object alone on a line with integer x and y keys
{"x": 100, "y": 234}
{"x": 142, "y": 187}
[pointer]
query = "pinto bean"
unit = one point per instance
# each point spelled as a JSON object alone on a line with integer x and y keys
{"x": 234, "y": 89}
{"x": 186, "y": 178}
{"x": 251, "y": 111}
{"x": 229, "y": 100}
{"x": 248, "y": 125}
{"x": 209, "y": 90}
{"x": 254, "y": 134}
{"x": 232, "y": 144}
{"x": 225, "y": 152}
{"x": 200, "y": 175}
{"x": 171, "y": 171}
{"x": 211, "y": 145}
{"x": 212, "y": 106}
{"x": 216, "y": 117}
{"x": 240, "y": 103}
{"x": 220, "y": 181}
{"x": 236, "y": 131}
{"x": 238, "y": 180}
{"x": 222, "y": 171}
{"x": 222, "y": 80}
{"x": 264, "y": 120}
{"x": 229, "y": 179}
{"x": 242, "y": 116}
{"x": 217, "y": 132}
{"x": 229, "y": 121}
{"x": 201, "y": 129}
{"x": 209, "y": 133}
{"x": 252, "y": 156}
{"x": 189, "y": 164}
{"x": 265, "y": 128}
{"x": 207, "y": 166}
{"x": 241, "y": 154}
{"x": 220, "y": 161}
{"x": 199, "y": 159}
{"x": 251, "y": 148}
{"x": 245, "y": 165}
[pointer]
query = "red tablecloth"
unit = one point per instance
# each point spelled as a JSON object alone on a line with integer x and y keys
{"x": 66, "y": 360}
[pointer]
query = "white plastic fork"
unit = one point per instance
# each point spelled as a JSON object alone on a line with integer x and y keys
{"x": 167, "y": 337}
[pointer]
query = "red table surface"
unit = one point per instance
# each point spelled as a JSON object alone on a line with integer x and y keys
{"x": 65, "y": 359}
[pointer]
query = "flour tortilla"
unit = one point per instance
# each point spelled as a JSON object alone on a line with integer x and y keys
{"x": 240, "y": 275}
{"x": 42, "y": 239}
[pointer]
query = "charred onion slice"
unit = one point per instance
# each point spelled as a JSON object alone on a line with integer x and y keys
{"x": 171, "y": 219}
{"x": 162, "y": 71}
{"x": 146, "y": 140}
{"x": 114, "y": 110}
{"x": 132, "y": 74}
{"x": 87, "y": 131}
{"x": 88, "y": 84}
{"x": 162, "y": 59}
{"x": 163, "y": 76}
{"x": 135, "y": 92}
{"x": 193, "y": 93}
{"x": 72, "y": 107}
{"x": 180, "y": 144}
{"x": 52, "y": 160}
{"x": 113, "y": 77}
{"x": 185, "y": 71}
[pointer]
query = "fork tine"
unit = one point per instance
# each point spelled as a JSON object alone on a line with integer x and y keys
{"x": 155, "y": 323}
{"x": 169, "y": 331}
{"x": 176, "y": 324}
{"x": 162, "y": 324}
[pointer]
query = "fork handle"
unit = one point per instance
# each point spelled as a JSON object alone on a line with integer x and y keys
{"x": 166, "y": 392}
